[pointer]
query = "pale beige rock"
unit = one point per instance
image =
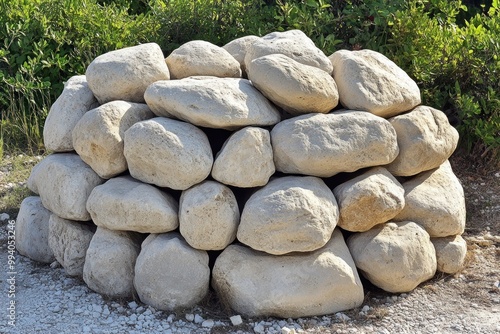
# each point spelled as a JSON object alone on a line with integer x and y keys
{"x": 295, "y": 87}
{"x": 64, "y": 183}
{"x": 125, "y": 204}
{"x": 435, "y": 199}
{"x": 75, "y": 100}
{"x": 125, "y": 74}
{"x": 98, "y": 136}
{"x": 292, "y": 43}
{"x": 368, "y": 80}
{"x": 208, "y": 216}
{"x": 289, "y": 214}
{"x": 238, "y": 49}
{"x": 396, "y": 257}
{"x": 32, "y": 230}
{"x": 246, "y": 159}
{"x": 69, "y": 240}
{"x": 168, "y": 153}
{"x": 169, "y": 274}
{"x": 425, "y": 138}
{"x": 109, "y": 263}
{"x": 202, "y": 58}
{"x": 370, "y": 199}
{"x": 298, "y": 285}
{"x": 324, "y": 145}
{"x": 31, "y": 182}
{"x": 450, "y": 253}
{"x": 226, "y": 103}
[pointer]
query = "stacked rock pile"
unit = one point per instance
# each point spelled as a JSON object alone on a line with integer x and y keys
{"x": 243, "y": 168}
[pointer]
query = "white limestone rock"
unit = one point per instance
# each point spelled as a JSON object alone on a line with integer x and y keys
{"x": 167, "y": 153}
{"x": 372, "y": 198}
{"x": 98, "y": 136}
{"x": 109, "y": 263}
{"x": 225, "y": 103}
{"x": 369, "y": 81}
{"x": 32, "y": 230}
{"x": 295, "y": 87}
{"x": 125, "y": 74}
{"x": 435, "y": 199}
{"x": 425, "y": 139}
{"x": 208, "y": 216}
{"x": 246, "y": 159}
{"x": 289, "y": 214}
{"x": 255, "y": 284}
{"x": 69, "y": 240}
{"x": 75, "y": 100}
{"x": 169, "y": 274}
{"x": 396, "y": 257}
{"x": 202, "y": 58}
{"x": 238, "y": 49}
{"x": 125, "y": 204}
{"x": 324, "y": 145}
{"x": 450, "y": 253}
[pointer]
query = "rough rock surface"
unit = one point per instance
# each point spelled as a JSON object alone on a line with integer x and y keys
{"x": 98, "y": 136}
{"x": 126, "y": 204}
{"x": 109, "y": 263}
{"x": 425, "y": 139}
{"x": 395, "y": 257}
{"x": 368, "y": 80}
{"x": 372, "y": 198}
{"x": 450, "y": 253}
{"x": 295, "y": 87}
{"x": 324, "y": 145}
{"x": 202, "y": 58}
{"x": 170, "y": 274}
{"x": 32, "y": 230}
{"x": 69, "y": 241}
{"x": 289, "y": 214}
{"x": 125, "y": 74}
{"x": 168, "y": 153}
{"x": 238, "y": 49}
{"x": 226, "y": 103}
{"x": 435, "y": 199}
{"x": 246, "y": 159}
{"x": 64, "y": 183}
{"x": 257, "y": 284}
{"x": 292, "y": 43}
{"x": 208, "y": 216}
{"x": 75, "y": 100}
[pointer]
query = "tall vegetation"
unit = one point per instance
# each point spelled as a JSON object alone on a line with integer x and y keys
{"x": 450, "y": 48}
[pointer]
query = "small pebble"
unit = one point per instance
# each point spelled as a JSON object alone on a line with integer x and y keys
{"x": 236, "y": 320}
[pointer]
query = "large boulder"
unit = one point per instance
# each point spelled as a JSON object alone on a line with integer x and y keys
{"x": 435, "y": 199}
{"x": 246, "y": 159}
{"x": 289, "y": 214}
{"x": 168, "y": 153}
{"x": 238, "y": 49}
{"x": 208, "y": 216}
{"x": 369, "y": 81}
{"x": 125, "y": 74}
{"x": 297, "y": 285}
{"x": 396, "y": 257}
{"x": 75, "y": 100}
{"x": 98, "y": 136}
{"x": 32, "y": 230}
{"x": 372, "y": 198}
{"x": 69, "y": 240}
{"x": 109, "y": 263}
{"x": 292, "y": 43}
{"x": 125, "y": 204}
{"x": 169, "y": 274}
{"x": 450, "y": 253}
{"x": 324, "y": 145}
{"x": 425, "y": 139}
{"x": 295, "y": 87}
{"x": 202, "y": 58}
{"x": 225, "y": 103}
{"x": 64, "y": 183}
